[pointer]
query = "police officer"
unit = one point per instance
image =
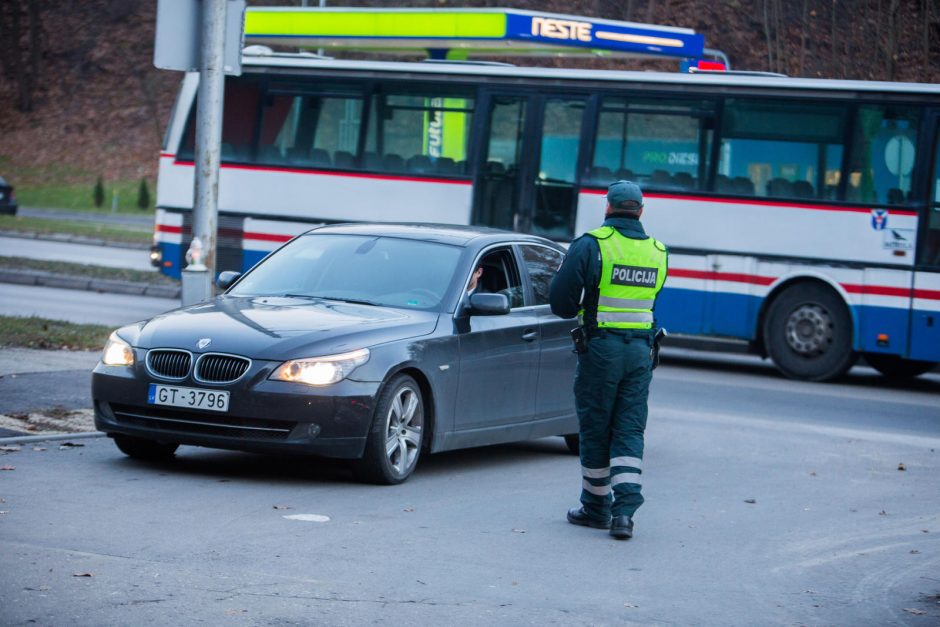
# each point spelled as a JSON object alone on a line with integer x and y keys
{"x": 610, "y": 280}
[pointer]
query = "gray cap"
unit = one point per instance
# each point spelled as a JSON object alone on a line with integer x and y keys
{"x": 625, "y": 196}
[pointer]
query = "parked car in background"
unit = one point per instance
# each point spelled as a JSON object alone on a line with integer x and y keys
{"x": 7, "y": 198}
{"x": 358, "y": 341}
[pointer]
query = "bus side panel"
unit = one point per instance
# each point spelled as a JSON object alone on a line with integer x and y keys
{"x": 319, "y": 196}
{"x": 925, "y": 317}
{"x": 681, "y": 306}
{"x": 882, "y": 305}
{"x": 737, "y": 291}
{"x": 261, "y": 237}
{"x": 168, "y": 235}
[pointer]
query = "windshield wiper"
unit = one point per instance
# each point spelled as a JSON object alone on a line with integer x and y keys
{"x": 353, "y": 301}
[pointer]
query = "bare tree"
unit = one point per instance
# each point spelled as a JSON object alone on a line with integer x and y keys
{"x": 891, "y": 50}
{"x": 804, "y": 26}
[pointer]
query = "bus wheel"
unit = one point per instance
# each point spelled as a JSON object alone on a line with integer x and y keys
{"x": 894, "y": 367}
{"x": 808, "y": 333}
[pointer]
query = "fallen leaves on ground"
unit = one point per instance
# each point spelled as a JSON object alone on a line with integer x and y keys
{"x": 751, "y": 501}
{"x": 82, "y": 575}
{"x": 518, "y": 531}
{"x": 914, "y": 611}
{"x": 282, "y": 507}
{"x": 7, "y": 467}
{"x": 901, "y": 466}
{"x": 10, "y": 449}
{"x": 408, "y": 509}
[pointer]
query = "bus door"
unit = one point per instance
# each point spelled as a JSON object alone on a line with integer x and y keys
{"x": 925, "y": 312}
{"x": 528, "y": 165}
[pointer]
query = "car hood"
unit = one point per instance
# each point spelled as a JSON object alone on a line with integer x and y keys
{"x": 277, "y": 328}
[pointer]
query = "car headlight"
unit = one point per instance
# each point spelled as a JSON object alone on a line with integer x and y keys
{"x": 117, "y": 352}
{"x": 321, "y": 370}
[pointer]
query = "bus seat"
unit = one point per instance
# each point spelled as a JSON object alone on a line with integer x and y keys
{"x": 601, "y": 175}
{"x": 270, "y": 154}
{"x": 344, "y": 160}
{"x": 723, "y": 184}
{"x": 684, "y": 180}
{"x": 624, "y": 174}
{"x": 803, "y": 189}
{"x": 743, "y": 186}
{"x": 495, "y": 167}
{"x": 781, "y": 188}
{"x": 228, "y": 151}
{"x": 660, "y": 178}
{"x": 393, "y": 163}
{"x": 460, "y": 167}
{"x": 319, "y": 156}
{"x": 446, "y": 165}
{"x": 372, "y": 161}
{"x": 420, "y": 164}
{"x": 895, "y": 196}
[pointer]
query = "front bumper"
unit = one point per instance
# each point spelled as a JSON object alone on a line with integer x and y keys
{"x": 264, "y": 416}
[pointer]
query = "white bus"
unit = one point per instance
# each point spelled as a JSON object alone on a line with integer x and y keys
{"x": 802, "y": 216}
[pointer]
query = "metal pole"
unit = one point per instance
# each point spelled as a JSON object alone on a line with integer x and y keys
{"x": 197, "y": 276}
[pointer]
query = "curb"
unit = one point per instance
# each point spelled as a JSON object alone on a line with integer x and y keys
{"x": 70, "y": 282}
{"x": 52, "y": 437}
{"x": 72, "y": 239}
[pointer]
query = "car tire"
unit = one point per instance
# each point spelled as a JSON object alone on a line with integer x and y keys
{"x": 397, "y": 433}
{"x": 808, "y": 333}
{"x": 897, "y": 368}
{"x": 573, "y": 442}
{"x": 149, "y": 450}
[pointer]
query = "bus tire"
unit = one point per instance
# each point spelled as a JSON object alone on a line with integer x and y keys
{"x": 896, "y": 367}
{"x": 808, "y": 333}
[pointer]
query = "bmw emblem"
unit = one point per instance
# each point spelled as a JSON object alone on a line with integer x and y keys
{"x": 201, "y": 344}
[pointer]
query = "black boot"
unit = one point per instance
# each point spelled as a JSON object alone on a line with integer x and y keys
{"x": 577, "y": 516}
{"x": 621, "y": 527}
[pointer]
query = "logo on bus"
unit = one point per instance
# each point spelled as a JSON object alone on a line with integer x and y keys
{"x": 879, "y": 219}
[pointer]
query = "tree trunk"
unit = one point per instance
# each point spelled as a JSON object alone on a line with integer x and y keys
{"x": 832, "y": 39}
{"x": 35, "y": 46}
{"x": 769, "y": 37}
{"x": 892, "y": 47}
{"x": 804, "y": 26}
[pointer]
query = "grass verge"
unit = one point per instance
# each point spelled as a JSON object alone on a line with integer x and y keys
{"x": 43, "y": 226}
{"x": 122, "y": 195}
{"x": 36, "y": 332}
{"x": 83, "y": 270}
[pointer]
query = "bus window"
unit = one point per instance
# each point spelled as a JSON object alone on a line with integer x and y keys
{"x": 658, "y": 144}
{"x": 241, "y": 105}
{"x": 782, "y": 149}
{"x": 425, "y": 134}
{"x": 883, "y": 154}
{"x": 310, "y": 130}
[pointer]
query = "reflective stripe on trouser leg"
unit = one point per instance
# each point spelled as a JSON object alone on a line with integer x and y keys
{"x": 595, "y": 391}
{"x": 628, "y": 425}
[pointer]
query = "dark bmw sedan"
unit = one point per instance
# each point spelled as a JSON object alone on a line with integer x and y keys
{"x": 369, "y": 342}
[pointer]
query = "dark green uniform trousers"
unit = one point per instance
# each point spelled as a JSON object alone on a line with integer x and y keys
{"x": 611, "y": 388}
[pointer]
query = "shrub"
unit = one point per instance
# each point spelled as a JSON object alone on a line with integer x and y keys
{"x": 99, "y": 193}
{"x": 143, "y": 195}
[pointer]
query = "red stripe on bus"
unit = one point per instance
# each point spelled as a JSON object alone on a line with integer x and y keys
{"x": 169, "y": 228}
{"x": 877, "y": 290}
{"x": 733, "y": 277}
{"x": 761, "y": 203}
{"x": 927, "y": 294}
{"x": 355, "y": 175}
{"x": 268, "y": 237}
{"x": 222, "y": 232}
{"x": 167, "y": 155}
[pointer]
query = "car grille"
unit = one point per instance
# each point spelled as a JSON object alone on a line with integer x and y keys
{"x": 171, "y": 364}
{"x": 182, "y": 421}
{"x": 215, "y": 368}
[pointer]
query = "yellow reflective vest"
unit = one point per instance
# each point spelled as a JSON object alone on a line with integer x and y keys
{"x": 632, "y": 274}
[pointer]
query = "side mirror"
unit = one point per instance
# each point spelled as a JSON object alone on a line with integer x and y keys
{"x": 489, "y": 304}
{"x": 226, "y": 279}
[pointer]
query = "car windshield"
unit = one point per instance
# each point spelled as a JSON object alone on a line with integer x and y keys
{"x": 363, "y": 269}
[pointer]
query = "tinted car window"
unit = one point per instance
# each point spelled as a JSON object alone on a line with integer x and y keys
{"x": 541, "y": 263}
{"x": 380, "y": 270}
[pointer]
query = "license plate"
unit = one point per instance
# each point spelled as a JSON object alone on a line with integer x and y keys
{"x": 191, "y": 398}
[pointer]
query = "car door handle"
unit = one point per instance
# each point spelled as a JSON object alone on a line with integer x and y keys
{"x": 530, "y": 335}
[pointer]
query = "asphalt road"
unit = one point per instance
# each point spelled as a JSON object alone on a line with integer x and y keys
{"x": 80, "y": 306}
{"x": 112, "y": 257}
{"x": 836, "y": 533}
